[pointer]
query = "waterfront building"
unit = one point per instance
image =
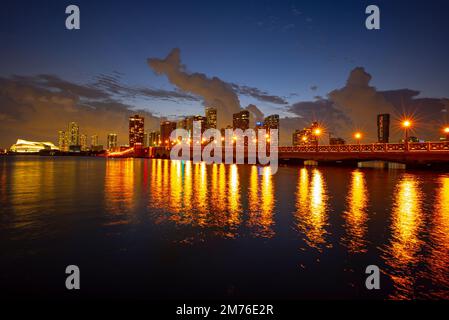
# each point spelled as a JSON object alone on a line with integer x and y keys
{"x": 211, "y": 118}
{"x": 305, "y": 136}
{"x": 136, "y": 130}
{"x": 383, "y": 128}
{"x": 83, "y": 142}
{"x": 94, "y": 141}
{"x": 73, "y": 134}
{"x": 240, "y": 120}
{"x": 112, "y": 141}
{"x": 25, "y": 146}
{"x": 166, "y": 129}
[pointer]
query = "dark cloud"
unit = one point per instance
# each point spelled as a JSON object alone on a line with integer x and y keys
{"x": 356, "y": 106}
{"x": 314, "y": 88}
{"x": 36, "y": 108}
{"x": 114, "y": 85}
{"x": 214, "y": 91}
{"x": 258, "y": 94}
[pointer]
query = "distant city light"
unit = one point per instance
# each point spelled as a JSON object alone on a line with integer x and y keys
{"x": 317, "y": 131}
{"x": 358, "y": 135}
{"x": 446, "y": 130}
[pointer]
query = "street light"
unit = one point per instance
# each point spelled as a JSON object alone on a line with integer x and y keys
{"x": 317, "y": 132}
{"x": 406, "y": 124}
{"x": 358, "y": 137}
{"x": 446, "y": 131}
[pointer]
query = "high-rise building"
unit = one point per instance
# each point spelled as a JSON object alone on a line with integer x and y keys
{"x": 305, "y": 136}
{"x": 154, "y": 139}
{"x": 136, "y": 130}
{"x": 383, "y": 128}
{"x": 166, "y": 129}
{"x": 63, "y": 140}
{"x": 272, "y": 122}
{"x": 73, "y": 134}
{"x": 83, "y": 142}
{"x": 94, "y": 140}
{"x": 211, "y": 118}
{"x": 112, "y": 141}
{"x": 240, "y": 120}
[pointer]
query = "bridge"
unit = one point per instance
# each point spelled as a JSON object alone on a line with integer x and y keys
{"x": 416, "y": 153}
{"x": 419, "y": 153}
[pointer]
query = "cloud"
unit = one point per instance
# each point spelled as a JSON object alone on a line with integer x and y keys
{"x": 256, "y": 115}
{"x": 356, "y": 106}
{"x": 258, "y": 94}
{"x": 37, "y": 107}
{"x": 214, "y": 91}
{"x": 114, "y": 85}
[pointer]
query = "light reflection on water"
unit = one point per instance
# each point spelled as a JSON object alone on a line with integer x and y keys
{"x": 399, "y": 220}
{"x": 356, "y": 215}
{"x": 312, "y": 206}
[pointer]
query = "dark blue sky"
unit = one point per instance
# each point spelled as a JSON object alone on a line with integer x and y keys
{"x": 281, "y": 47}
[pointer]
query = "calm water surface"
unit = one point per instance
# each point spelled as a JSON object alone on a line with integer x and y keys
{"x": 142, "y": 228}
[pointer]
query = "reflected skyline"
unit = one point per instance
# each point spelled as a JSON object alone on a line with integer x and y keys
{"x": 302, "y": 209}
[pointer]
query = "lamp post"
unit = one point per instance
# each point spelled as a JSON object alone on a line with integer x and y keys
{"x": 317, "y": 133}
{"x": 446, "y": 131}
{"x": 406, "y": 124}
{"x": 358, "y": 137}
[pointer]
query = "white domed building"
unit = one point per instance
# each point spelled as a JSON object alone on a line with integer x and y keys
{"x": 24, "y": 146}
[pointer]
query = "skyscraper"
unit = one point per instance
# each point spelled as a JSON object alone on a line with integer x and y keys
{"x": 83, "y": 142}
{"x": 166, "y": 129}
{"x": 211, "y": 118}
{"x": 63, "y": 141}
{"x": 73, "y": 134}
{"x": 305, "y": 136}
{"x": 112, "y": 141}
{"x": 272, "y": 122}
{"x": 383, "y": 128}
{"x": 136, "y": 130}
{"x": 94, "y": 140}
{"x": 241, "y": 120}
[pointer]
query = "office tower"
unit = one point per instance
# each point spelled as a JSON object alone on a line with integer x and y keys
{"x": 112, "y": 141}
{"x": 136, "y": 130}
{"x": 305, "y": 136}
{"x": 241, "y": 120}
{"x": 73, "y": 134}
{"x": 166, "y": 129}
{"x": 62, "y": 140}
{"x": 383, "y": 128}
{"x": 94, "y": 140}
{"x": 211, "y": 118}
{"x": 154, "y": 138}
{"x": 83, "y": 142}
{"x": 272, "y": 122}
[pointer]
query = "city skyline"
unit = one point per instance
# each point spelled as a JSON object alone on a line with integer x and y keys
{"x": 308, "y": 78}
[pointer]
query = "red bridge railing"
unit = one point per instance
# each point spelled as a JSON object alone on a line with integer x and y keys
{"x": 374, "y": 147}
